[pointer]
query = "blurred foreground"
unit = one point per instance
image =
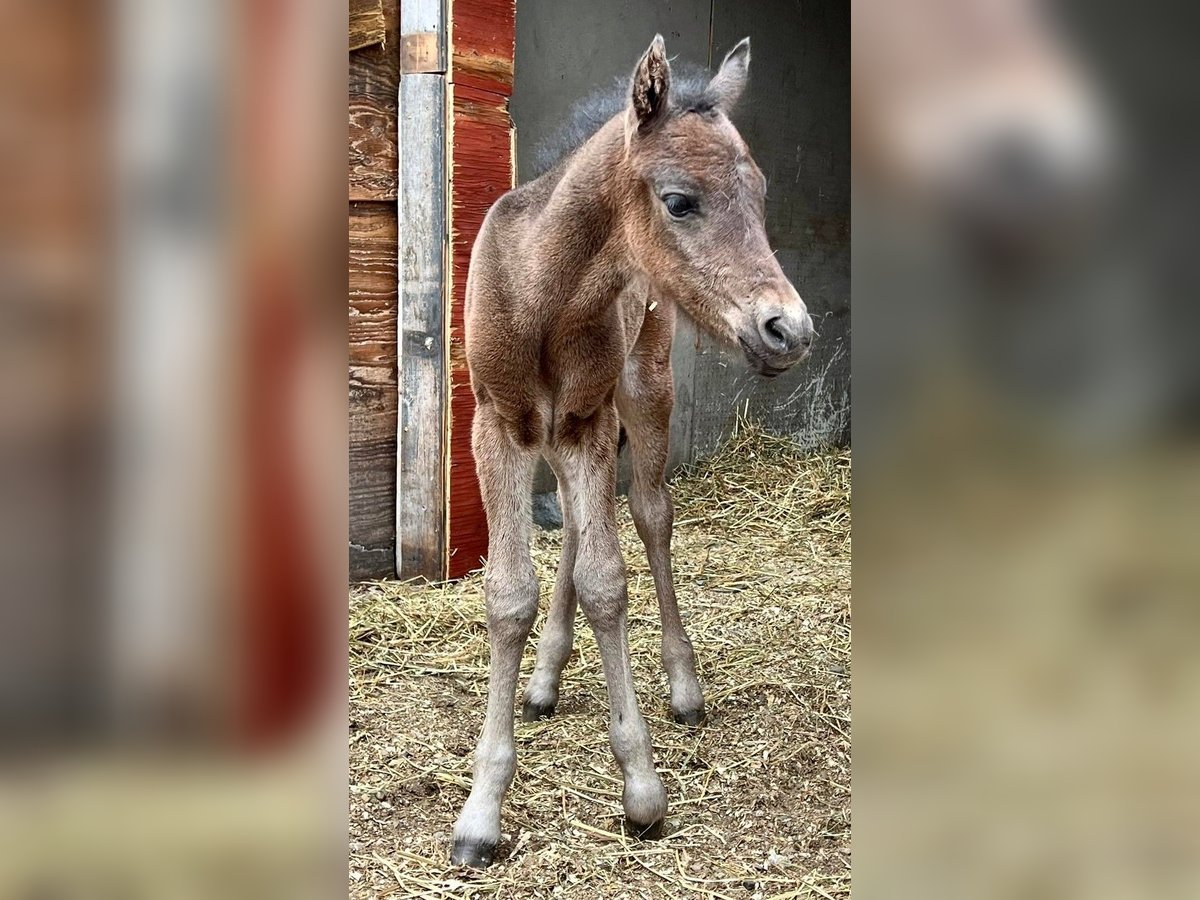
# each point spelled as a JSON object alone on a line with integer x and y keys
{"x": 1028, "y": 473}
{"x": 172, "y": 460}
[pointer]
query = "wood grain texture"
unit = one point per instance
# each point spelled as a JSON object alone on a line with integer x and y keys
{"x": 367, "y": 24}
{"x": 421, "y": 478}
{"x": 374, "y": 72}
{"x": 423, "y": 15}
{"x": 374, "y": 79}
{"x": 373, "y": 394}
{"x": 481, "y": 160}
{"x": 374, "y": 84}
{"x": 376, "y": 68}
{"x": 374, "y": 153}
{"x": 482, "y": 36}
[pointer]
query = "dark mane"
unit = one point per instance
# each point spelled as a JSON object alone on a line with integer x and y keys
{"x": 688, "y": 84}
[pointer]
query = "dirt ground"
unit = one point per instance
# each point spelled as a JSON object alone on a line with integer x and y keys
{"x": 759, "y": 796}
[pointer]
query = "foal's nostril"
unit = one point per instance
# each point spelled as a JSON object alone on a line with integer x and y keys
{"x": 778, "y": 334}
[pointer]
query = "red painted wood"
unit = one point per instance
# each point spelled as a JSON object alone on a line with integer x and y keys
{"x": 481, "y": 167}
{"x": 482, "y": 38}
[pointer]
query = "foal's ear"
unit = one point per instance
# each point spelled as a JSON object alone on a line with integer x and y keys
{"x": 727, "y": 85}
{"x": 651, "y": 84}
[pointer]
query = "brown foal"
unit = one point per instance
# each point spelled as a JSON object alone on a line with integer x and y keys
{"x": 571, "y": 300}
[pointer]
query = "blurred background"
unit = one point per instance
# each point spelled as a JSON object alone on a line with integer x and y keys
{"x": 172, "y": 456}
{"x": 1027, "y": 475}
{"x": 173, "y": 448}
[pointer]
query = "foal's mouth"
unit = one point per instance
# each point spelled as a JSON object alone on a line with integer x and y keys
{"x": 768, "y": 366}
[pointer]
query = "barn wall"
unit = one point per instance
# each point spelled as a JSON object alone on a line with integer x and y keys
{"x": 432, "y": 78}
{"x": 481, "y": 76}
{"x": 373, "y": 85}
{"x": 796, "y": 119}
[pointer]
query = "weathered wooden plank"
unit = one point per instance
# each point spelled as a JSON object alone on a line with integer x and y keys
{"x": 375, "y": 69}
{"x": 373, "y": 395}
{"x": 423, "y": 36}
{"x": 374, "y": 154}
{"x": 423, "y": 15}
{"x": 374, "y": 80}
{"x": 421, "y": 483}
{"x": 373, "y": 290}
{"x": 375, "y": 73}
{"x": 366, "y": 563}
{"x": 373, "y": 468}
{"x": 374, "y": 84}
{"x": 391, "y": 22}
{"x": 367, "y": 25}
{"x": 372, "y": 462}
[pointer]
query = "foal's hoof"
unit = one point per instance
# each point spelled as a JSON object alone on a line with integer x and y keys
{"x": 693, "y": 717}
{"x": 651, "y": 832}
{"x": 472, "y": 853}
{"x": 532, "y": 712}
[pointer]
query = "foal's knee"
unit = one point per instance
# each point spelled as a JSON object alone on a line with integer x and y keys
{"x": 601, "y": 588}
{"x": 512, "y": 601}
{"x": 652, "y": 510}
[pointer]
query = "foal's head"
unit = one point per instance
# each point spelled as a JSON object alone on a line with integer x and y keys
{"x": 695, "y": 216}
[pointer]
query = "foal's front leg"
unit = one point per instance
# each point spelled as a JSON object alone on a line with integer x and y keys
{"x": 511, "y": 590}
{"x": 644, "y": 398}
{"x": 585, "y": 454}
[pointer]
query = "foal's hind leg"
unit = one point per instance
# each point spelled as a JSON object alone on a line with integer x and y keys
{"x": 645, "y": 397}
{"x": 558, "y": 634}
{"x": 510, "y": 586}
{"x": 585, "y": 454}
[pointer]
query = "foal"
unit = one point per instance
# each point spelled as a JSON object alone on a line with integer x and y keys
{"x": 571, "y": 300}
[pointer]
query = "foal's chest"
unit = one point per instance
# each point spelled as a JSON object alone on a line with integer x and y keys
{"x": 588, "y": 359}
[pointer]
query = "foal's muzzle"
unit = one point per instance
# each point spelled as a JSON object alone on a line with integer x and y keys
{"x": 780, "y": 337}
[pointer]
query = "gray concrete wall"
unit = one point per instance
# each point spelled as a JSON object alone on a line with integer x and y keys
{"x": 796, "y": 119}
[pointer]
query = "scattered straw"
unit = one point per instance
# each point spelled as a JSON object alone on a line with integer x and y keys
{"x": 759, "y": 797}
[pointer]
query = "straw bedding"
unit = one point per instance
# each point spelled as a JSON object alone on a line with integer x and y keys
{"x": 759, "y": 796}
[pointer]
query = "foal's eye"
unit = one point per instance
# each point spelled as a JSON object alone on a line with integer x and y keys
{"x": 678, "y": 205}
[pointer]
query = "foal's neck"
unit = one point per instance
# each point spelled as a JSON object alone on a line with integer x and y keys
{"x": 582, "y": 237}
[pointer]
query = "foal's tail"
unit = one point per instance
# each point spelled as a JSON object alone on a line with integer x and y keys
{"x": 622, "y": 440}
